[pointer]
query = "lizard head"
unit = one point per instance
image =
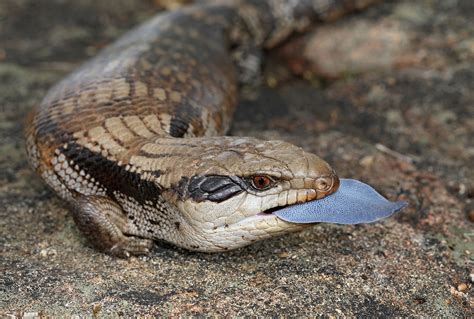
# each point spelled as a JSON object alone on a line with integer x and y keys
{"x": 225, "y": 189}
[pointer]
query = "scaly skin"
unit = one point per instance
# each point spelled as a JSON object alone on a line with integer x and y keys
{"x": 133, "y": 139}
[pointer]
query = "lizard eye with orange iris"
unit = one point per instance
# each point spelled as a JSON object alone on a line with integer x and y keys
{"x": 261, "y": 182}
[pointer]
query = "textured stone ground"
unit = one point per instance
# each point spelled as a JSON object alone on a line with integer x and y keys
{"x": 387, "y": 97}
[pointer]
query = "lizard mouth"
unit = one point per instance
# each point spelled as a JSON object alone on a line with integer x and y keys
{"x": 331, "y": 185}
{"x": 353, "y": 203}
{"x": 272, "y": 210}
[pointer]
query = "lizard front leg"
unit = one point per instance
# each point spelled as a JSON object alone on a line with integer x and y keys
{"x": 106, "y": 226}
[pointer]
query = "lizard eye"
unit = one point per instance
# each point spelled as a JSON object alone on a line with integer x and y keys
{"x": 261, "y": 182}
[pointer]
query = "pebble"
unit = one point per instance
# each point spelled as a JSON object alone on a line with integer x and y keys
{"x": 367, "y": 161}
{"x": 96, "y": 308}
{"x": 471, "y": 278}
{"x": 48, "y": 252}
{"x": 462, "y": 287}
{"x": 470, "y": 215}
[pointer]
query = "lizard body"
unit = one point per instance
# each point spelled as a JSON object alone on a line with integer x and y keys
{"x": 133, "y": 139}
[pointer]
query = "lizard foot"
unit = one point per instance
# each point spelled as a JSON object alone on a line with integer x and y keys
{"x": 105, "y": 225}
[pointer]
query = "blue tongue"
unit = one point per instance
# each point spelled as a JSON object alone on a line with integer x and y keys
{"x": 353, "y": 203}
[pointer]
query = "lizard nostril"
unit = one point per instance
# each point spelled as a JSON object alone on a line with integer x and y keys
{"x": 323, "y": 184}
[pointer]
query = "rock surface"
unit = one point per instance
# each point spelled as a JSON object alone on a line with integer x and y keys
{"x": 400, "y": 119}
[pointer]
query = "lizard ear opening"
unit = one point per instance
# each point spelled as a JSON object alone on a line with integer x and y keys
{"x": 215, "y": 188}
